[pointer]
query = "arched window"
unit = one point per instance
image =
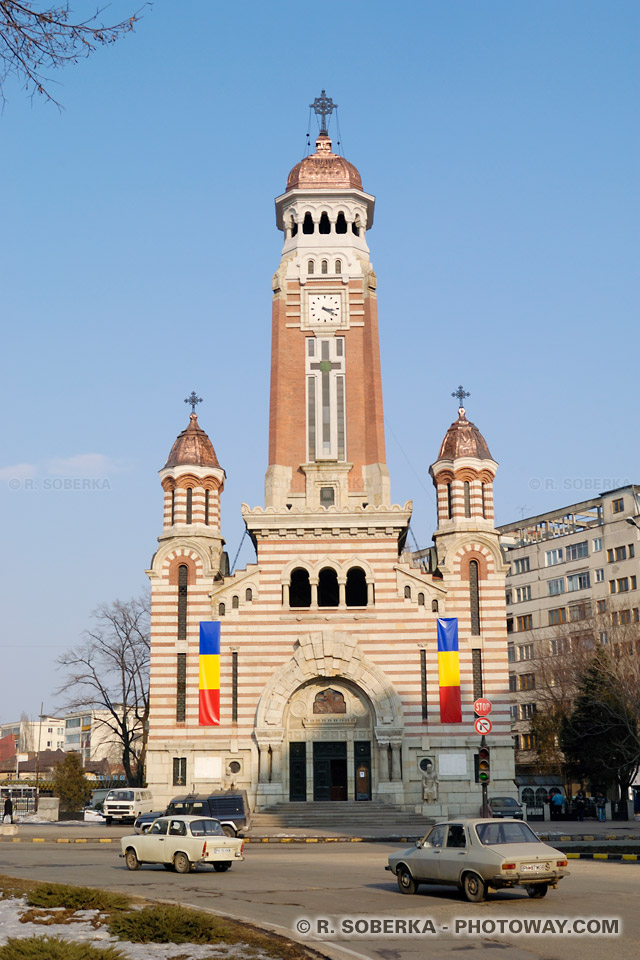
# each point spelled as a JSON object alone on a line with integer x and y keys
{"x": 341, "y": 223}
{"x": 467, "y": 498}
{"x": 311, "y": 266}
{"x": 449, "y": 502}
{"x": 328, "y": 592}
{"x": 356, "y": 590}
{"x": 183, "y": 581}
{"x": 421, "y": 599}
{"x": 474, "y": 598}
{"x": 484, "y": 500}
{"x": 338, "y": 267}
{"x": 235, "y": 603}
{"x": 222, "y": 609}
{"x": 294, "y": 227}
{"x": 324, "y": 266}
{"x": 434, "y": 606}
{"x": 407, "y": 592}
{"x": 173, "y": 507}
{"x": 355, "y": 228}
{"x": 206, "y": 507}
{"x": 299, "y": 588}
{"x": 189, "y": 505}
{"x": 307, "y": 223}
{"x": 181, "y": 672}
{"x": 325, "y": 223}
{"x": 248, "y": 595}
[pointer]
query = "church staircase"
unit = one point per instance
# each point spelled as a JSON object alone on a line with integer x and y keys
{"x": 348, "y": 818}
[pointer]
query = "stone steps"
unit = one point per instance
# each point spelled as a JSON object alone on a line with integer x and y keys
{"x": 340, "y": 817}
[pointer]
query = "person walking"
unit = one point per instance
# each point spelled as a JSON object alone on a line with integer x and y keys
{"x": 556, "y": 805}
{"x": 581, "y": 802}
{"x": 8, "y": 810}
{"x": 601, "y": 806}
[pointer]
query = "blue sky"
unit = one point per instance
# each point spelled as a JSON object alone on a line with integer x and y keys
{"x": 138, "y": 243}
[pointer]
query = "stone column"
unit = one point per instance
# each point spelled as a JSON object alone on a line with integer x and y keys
{"x": 342, "y": 588}
{"x": 370, "y": 596}
{"x": 396, "y": 766}
{"x": 314, "y": 593}
{"x": 285, "y": 595}
{"x": 263, "y": 770}
{"x": 383, "y": 757}
{"x": 276, "y": 762}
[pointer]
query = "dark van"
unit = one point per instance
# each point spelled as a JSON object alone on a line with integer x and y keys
{"x": 231, "y": 808}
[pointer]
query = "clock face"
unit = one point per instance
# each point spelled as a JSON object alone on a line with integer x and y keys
{"x": 325, "y": 308}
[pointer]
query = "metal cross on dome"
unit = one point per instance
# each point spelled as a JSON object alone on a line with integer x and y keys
{"x": 324, "y": 107}
{"x": 193, "y": 400}
{"x": 461, "y": 394}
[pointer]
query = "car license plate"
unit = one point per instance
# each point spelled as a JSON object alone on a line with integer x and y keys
{"x": 223, "y": 850}
{"x": 534, "y": 868}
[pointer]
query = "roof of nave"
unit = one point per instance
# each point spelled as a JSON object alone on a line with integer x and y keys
{"x": 324, "y": 170}
{"x": 192, "y": 447}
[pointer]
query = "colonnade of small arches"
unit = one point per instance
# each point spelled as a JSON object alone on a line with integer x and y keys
{"x": 326, "y": 267}
{"x": 465, "y": 496}
{"x": 192, "y": 501}
{"x": 328, "y": 586}
{"x": 325, "y": 224}
{"x": 245, "y": 596}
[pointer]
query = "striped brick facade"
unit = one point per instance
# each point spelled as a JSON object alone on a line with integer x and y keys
{"x": 330, "y": 690}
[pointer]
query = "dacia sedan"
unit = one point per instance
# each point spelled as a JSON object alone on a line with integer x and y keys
{"x": 182, "y": 844}
{"x": 478, "y": 855}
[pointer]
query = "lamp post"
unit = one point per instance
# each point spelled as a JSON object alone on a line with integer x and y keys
{"x": 35, "y": 806}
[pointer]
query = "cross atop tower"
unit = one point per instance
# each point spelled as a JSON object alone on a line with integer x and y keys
{"x": 193, "y": 400}
{"x": 461, "y": 394}
{"x": 323, "y": 106}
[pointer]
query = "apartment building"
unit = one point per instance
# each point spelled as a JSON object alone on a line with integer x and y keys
{"x": 572, "y": 572}
{"x": 33, "y": 735}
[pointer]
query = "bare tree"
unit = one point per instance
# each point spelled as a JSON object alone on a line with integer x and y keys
{"x": 109, "y": 672}
{"x": 33, "y": 42}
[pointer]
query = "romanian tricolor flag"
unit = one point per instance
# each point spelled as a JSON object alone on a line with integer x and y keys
{"x": 449, "y": 670}
{"x": 209, "y": 686}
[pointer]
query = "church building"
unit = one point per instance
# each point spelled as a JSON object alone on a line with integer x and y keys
{"x": 333, "y": 668}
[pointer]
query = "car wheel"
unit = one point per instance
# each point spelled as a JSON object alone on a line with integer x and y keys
{"x": 181, "y": 863}
{"x": 537, "y": 890}
{"x": 221, "y": 866}
{"x": 228, "y": 831}
{"x": 406, "y": 883}
{"x": 474, "y": 888}
{"x": 131, "y": 859}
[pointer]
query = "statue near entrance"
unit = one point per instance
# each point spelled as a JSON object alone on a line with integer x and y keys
{"x": 429, "y": 781}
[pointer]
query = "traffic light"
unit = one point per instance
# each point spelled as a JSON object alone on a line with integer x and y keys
{"x": 484, "y": 765}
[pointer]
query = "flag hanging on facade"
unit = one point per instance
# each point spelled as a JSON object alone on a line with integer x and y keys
{"x": 449, "y": 670}
{"x": 209, "y": 685}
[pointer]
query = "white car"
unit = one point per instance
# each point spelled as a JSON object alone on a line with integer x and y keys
{"x": 182, "y": 843}
{"x": 475, "y": 855}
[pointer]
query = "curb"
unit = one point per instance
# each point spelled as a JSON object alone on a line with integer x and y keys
{"x": 631, "y": 857}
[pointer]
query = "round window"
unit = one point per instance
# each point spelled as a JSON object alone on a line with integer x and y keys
{"x": 234, "y": 767}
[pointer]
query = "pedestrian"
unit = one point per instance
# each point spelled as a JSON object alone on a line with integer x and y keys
{"x": 601, "y": 806}
{"x": 581, "y": 802}
{"x": 8, "y": 810}
{"x": 557, "y": 803}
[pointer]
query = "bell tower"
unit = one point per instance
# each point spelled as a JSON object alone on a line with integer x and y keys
{"x": 326, "y": 432}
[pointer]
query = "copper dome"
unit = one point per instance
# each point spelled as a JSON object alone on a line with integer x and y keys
{"x": 323, "y": 170}
{"x": 463, "y": 439}
{"x": 192, "y": 447}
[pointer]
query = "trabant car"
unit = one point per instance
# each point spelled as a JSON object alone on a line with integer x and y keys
{"x": 478, "y": 855}
{"x": 182, "y": 844}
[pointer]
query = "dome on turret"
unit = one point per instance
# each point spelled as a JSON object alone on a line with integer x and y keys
{"x": 463, "y": 439}
{"x": 324, "y": 170}
{"x": 192, "y": 447}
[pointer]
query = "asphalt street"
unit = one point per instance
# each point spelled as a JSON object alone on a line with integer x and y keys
{"x": 280, "y": 886}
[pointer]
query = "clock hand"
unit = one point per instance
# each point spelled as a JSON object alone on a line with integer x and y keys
{"x": 331, "y": 310}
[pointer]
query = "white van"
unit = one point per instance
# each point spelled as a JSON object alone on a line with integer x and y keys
{"x": 126, "y": 803}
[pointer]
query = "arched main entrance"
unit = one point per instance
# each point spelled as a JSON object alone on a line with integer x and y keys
{"x": 328, "y": 731}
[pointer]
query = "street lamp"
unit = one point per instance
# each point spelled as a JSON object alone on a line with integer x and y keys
{"x": 633, "y": 521}
{"x": 35, "y": 806}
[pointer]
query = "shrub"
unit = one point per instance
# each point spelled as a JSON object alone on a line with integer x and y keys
{"x": 75, "y": 898}
{"x": 171, "y": 924}
{"x": 53, "y": 948}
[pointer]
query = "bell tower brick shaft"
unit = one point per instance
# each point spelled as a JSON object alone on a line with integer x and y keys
{"x": 326, "y": 424}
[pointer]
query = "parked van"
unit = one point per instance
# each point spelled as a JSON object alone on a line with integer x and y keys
{"x": 126, "y": 803}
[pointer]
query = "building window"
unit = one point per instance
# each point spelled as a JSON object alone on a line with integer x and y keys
{"x": 513, "y": 711}
{"x": 527, "y": 710}
{"x": 599, "y": 575}
{"x": 476, "y": 663}
{"x": 183, "y": 576}
{"x": 525, "y": 623}
{"x": 527, "y": 681}
{"x": 421, "y": 599}
{"x": 189, "y": 505}
{"x": 617, "y": 506}
{"x": 234, "y": 686}
{"x": 338, "y": 266}
{"x": 603, "y": 638}
{"x": 222, "y": 609}
{"x": 636, "y": 614}
{"x": 235, "y": 603}
{"x": 484, "y": 501}
{"x": 327, "y": 496}
{"x": 407, "y": 592}
{"x": 474, "y": 598}
{"x": 512, "y": 683}
{"x": 307, "y": 227}
{"x": 556, "y": 586}
{"x": 601, "y": 606}
{"x": 206, "y": 507}
{"x": 311, "y": 267}
{"x": 299, "y": 588}
{"x": 597, "y": 544}
{"x": 324, "y": 266}
{"x": 341, "y": 223}
{"x": 423, "y": 683}
{"x": 522, "y": 594}
{"x": 632, "y": 551}
{"x": 325, "y": 225}
{"x": 556, "y": 616}
{"x": 449, "y": 502}
{"x": 179, "y": 771}
{"x": 511, "y": 653}
{"x": 356, "y": 588}
{"x": 579, "y": 611}
{"x": 552, "y": 557}
{"x": 467, "y": 498}
{"x": 173, "y": 507}
{"x": 525, "y": 651}
{"x": 578, "y": 581}
{"x": 625, "y": 616}
{"x": 248, "y": 594}
{"x": 577, "y": 551}
{"x": 522, "y": 565}
{"x": 181, "y": 687}
{"x": 621, "y": 585}
{"x": 527, "y": 741}
{"x": 434, "y": 606}
{"x": 328, "y": 591}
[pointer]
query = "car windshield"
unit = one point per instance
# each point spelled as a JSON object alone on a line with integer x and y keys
{"x": 490, "y": 834}
{"x": 120, "y": 795}
{"x": 159, "y": 827}
{"x": 209, "y": 828}
{"x": 504, "y": 801}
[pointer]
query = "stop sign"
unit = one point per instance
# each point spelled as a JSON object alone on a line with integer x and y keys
{"x": 482, "y": 707}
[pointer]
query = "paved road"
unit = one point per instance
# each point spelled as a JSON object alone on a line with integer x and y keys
{"x": 277, "y": 885}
